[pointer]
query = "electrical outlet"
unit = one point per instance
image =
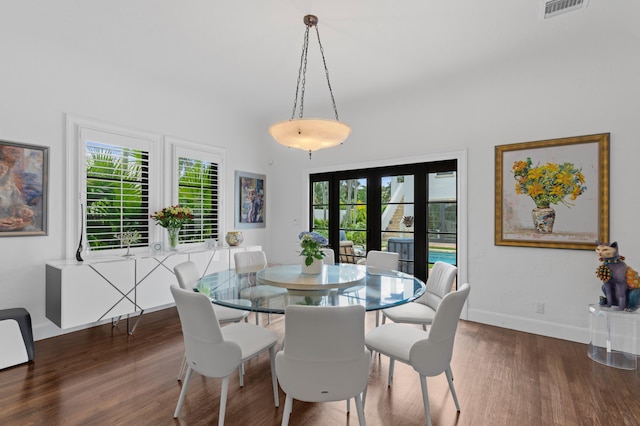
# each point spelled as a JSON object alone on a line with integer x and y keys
{"x": 540, "y": 308}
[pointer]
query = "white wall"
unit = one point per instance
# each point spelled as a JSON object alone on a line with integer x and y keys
{"x": 589, "y": 88}
{"x": 40, "y": 84}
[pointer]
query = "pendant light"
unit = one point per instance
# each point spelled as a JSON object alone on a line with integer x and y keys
{"x": 310, "y": 134}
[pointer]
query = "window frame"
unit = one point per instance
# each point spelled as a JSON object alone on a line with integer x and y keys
{"x": 176, "y": 148}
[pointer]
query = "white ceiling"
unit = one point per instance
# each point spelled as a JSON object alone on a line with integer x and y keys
{"x": 247, "y": 52}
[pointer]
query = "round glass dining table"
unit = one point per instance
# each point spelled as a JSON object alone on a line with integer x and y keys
{"x": 271, "y": 290}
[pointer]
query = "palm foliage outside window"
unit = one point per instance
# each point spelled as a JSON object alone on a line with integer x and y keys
{"x": 410, "y": 209}
{"x": 117, "y": 186}
{"x": 198, "y": 189}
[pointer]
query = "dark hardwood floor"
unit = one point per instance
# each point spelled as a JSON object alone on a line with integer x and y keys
{"x": 103, "y": 376}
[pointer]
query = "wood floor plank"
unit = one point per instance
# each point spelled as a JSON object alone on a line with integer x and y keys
{"x": 103, "y": 376}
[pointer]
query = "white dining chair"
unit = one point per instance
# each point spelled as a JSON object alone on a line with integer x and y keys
{"x": 187, "y": 274}
{"x": 422, "y": 310}
{"x": 384, "y": 260}
{"x": 428, "y": 352}
{"x": 248, "y": 263}
{"x": 329, "y": 256}
{"x": 325, "y": 358}
{"x": 215, "y": 351}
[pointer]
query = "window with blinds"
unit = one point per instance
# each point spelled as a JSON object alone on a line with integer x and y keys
{"x": 198, "y": 189}
{"x": 117, "y": 195}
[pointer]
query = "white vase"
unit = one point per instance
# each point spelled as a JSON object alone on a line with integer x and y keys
{"x": 313, "y": 269}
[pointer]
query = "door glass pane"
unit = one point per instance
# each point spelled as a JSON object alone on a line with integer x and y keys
{"x": 442, "y": 214}
{"x": 353, "y": 220}
{"x": 320, "y": 206}
{"x": 397, "y": 220}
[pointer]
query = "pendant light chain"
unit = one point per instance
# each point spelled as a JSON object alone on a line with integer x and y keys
{"x": 302, "y": 75}
{"x": 326, "y": 71}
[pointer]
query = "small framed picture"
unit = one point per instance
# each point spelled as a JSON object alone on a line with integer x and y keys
{"x": 24, "y": 173}
{"x": 250, "y": 200}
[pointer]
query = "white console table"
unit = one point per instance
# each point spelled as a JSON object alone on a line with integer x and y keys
{"x": 100, "y": 288}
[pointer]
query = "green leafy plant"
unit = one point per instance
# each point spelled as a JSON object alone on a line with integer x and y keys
{"x": 311, "y": 243}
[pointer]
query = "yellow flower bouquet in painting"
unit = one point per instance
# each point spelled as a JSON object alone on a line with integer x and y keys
{"x": 548, "y": 184}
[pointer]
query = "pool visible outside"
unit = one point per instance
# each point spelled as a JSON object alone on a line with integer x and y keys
{"x": 442, "y": 256}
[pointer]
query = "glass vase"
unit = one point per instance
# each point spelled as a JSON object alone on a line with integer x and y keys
{"x": 173, "y": 237}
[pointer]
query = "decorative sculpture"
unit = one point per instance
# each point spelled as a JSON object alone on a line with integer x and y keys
{"x": 79, "y": 251}
{"x": 621, "y": 284}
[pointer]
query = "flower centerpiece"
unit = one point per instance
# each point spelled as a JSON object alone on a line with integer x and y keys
{"x": 311, "y": 243}
{"x": 548, "y": 184}
{"x": 172, "y": 218}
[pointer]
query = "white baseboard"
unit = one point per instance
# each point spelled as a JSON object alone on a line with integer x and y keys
{"x": 530, "y": 325}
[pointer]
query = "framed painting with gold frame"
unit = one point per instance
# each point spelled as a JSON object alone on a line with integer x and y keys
{"x": 553, "y": 193}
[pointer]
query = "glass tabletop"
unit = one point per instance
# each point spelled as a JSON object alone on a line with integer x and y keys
{"x": 343, "y": 285}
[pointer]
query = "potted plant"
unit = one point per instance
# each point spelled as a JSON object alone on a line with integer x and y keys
{"x": 311, "y": 243}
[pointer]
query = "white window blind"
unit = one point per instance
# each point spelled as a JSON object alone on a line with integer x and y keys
{"x": 198, "y": 188}
{"x": 116, "y": 189}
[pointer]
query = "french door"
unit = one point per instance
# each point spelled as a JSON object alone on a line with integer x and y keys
{"x": 408, "y": 209}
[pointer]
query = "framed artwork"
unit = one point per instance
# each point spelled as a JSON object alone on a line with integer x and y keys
{"x": 553, "y": 193}
{"x": 24, "y": 172}
{"x": 250, "y": 200}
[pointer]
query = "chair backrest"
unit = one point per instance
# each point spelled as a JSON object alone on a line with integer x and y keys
{"x": 187, "y": 274}
{"x": 385, "y": 260}
{"x": 346, "y": 253}
{"x": 329, "y": 256}
{"x": 205, "y": 348}
{"x": 324, "y": 358}
{"x": 250, "y": 261}
{"x": 432, "y": 355}
{"x": 439, "y": 283}
{"x": 326, "y": 333}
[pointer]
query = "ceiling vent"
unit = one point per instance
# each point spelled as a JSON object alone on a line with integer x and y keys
{"x": 551, "y": 8}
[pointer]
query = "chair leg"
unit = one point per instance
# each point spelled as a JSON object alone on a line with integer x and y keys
{"x": 364, "y": 396}
{"x": 241, "y": 373}
{"x": 183, "y": 367}
{"x": 274, "y": 377}
{"x": 424, "y": 327}
{"x": 183, "y": 392}
{"x": 449, "y": 375}
{"x": 360, "y": 409}
{"x": 377, "y": 318}
{"x": 384, "y": 318}
{"x": 288, "y": 405}
{"x": 348, "y": 405}
{"x": 425, "y": 398}
{"x": 224, "y": 391}
{"x": 391, "y": 364}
